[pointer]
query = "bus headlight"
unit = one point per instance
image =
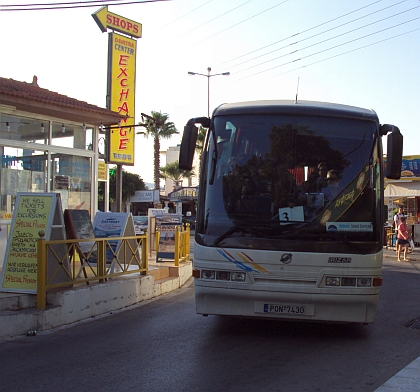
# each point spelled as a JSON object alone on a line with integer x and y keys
{"x": 364, "y": 282}
{"x": 222, "y": 275}
{"x": 228, "y": 276}
{"x": 208, "y": 274}
{"x": 332, "y": 281}
{"x": 238, "y": 276}
{"x": 349, "y": 281}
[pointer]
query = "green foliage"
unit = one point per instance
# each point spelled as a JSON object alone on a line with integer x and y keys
{"x": 130, "y": 184}
{"x": 174, "y": 173}
{"x": 159, "y": 128}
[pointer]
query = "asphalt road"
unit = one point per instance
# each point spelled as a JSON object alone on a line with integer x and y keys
{"x": 162, "y": 345}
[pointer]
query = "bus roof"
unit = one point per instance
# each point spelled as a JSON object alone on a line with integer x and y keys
{"x": 293, "y": 107}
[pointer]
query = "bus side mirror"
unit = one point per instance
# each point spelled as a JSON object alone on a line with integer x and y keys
{"x": 188, "y": 145}
{"x": 394, "y": 153}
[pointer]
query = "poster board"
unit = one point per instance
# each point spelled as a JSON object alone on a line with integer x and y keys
{"x": 115, "y": 224}
{"x": 167, "y": 225}
{"x": 33, "y": 212}
{"x": 141, "y": 224}
{"x": 79, "y": 226}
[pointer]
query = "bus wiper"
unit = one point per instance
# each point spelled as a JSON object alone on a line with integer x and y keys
{"x": 226, "y": 234}
{"x": 245, "y": 226}
{"x": 253, "y": 226}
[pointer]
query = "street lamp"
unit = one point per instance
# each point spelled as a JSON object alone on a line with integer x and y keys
{"x": 208, "y": 76}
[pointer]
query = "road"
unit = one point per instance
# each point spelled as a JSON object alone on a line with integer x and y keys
{"x": 162, "y": 345}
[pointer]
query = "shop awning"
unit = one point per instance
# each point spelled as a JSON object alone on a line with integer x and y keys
{"x": 403, "y": 189}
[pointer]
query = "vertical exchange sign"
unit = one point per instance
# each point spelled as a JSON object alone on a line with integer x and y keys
{"x": 121, "y": 92}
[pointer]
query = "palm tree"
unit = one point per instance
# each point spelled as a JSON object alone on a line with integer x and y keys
{"x": 158, "y": 126}
{"x": 174, "y": 173}
{"x": 199, "y": 145}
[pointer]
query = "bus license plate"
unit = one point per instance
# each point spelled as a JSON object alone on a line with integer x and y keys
{"x": 284, "y": 309}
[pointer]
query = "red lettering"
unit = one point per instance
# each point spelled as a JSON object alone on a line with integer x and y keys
{"x": 123, "y": 144}
{"x": 123, "y": 72}
{"x": 123, "y": 108}
{"x": 124, "y": 94}
{"x": 136, "y": 29}
{"x": 123, "y": 24}
{"x": 116, "y": 21}
{"x": 124, "y": 82}
{"x": 123, "y": 59}
{"x": 129, "y": 26}
{"x": 108, "y": 19}
{"x": 123, "y": 132}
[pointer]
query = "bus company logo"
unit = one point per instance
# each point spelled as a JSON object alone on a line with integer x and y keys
{"x": 339, "y": 260}
{"x": 286, "y": 258}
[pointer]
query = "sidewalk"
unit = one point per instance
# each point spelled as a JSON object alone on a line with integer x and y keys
{"x": 407, "y": 379}
{"x": 18, "y": 313}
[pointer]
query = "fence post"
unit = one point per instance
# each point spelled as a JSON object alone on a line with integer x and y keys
{"x": 177, "y": 246}
{"x": 157, "y": 243}
{"x": 187, "y": 241}
{"x": 145, "y": 253}
{"x": 41, "y": 295}
{"x": 101, "y": 268}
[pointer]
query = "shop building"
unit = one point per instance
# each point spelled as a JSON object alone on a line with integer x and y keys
{"x": 49, "y": 143}
{"x": 406, "y": 193}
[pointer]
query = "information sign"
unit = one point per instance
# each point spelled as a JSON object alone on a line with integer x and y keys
{"x": 114, "y": 224}
{"x": 33, "y": 212}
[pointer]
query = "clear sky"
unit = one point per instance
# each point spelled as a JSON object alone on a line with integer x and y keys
{"x": 364, "y": 53}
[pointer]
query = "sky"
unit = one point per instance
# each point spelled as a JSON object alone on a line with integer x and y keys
{"x": 364, "y": 53}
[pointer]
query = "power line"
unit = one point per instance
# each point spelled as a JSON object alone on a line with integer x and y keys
{"x": 331, "y": 48}
{"x": 245, "y": 20}
{"x": 349, "y": 51}
{"x": 328, "y": 39}
{"x": 56, "y": 4}
{"x": 75, "y": 5}
{"x": 211, "y": 20}
{"x": 188, "y": 13}
{"x": 304, "y": 31}
{"x": 315, "y": 35}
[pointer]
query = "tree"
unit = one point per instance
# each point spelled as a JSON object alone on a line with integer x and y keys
{"x": 130, "y": 184}
{"x": 174, "y": 173}
{"x": 158, "y": 127}
{"x": 199, "y": 145}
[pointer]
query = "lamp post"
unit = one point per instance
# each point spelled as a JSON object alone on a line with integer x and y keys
{"x": 208, "y": 76}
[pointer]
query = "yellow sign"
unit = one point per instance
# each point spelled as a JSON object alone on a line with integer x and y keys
{"x": 102, "y": 171}
{"x": 121, "y": 90}
{"x": 31, "y": 215}
{"x": 107, "y": 20}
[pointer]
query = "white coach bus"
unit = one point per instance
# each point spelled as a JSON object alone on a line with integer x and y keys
{"x": 290, "y": 210}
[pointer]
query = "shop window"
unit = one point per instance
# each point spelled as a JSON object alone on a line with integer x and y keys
{"x": 72, "y": 179}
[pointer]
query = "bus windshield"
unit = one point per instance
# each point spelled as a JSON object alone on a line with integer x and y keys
{"x": 269, "y": 180}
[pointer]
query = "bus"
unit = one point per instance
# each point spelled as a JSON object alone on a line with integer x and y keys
{"x": 276, "y": 235}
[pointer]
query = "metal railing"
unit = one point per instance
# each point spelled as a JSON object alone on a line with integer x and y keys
{"x": 182, "y": 244}
{"x": 62, "y": 263}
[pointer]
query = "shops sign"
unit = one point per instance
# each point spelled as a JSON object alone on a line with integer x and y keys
{"x": 107, "y": 20}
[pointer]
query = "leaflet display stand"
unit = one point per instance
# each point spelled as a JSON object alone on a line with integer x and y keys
{"x": 79, "y": 226}
{"x": 115, "y": 224}
{"x": 34, "y": 212}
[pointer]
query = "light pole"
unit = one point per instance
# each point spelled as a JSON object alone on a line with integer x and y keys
{"x": 208, "y": 76}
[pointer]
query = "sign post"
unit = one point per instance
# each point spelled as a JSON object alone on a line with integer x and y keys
{"x": 122, "y": 53}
